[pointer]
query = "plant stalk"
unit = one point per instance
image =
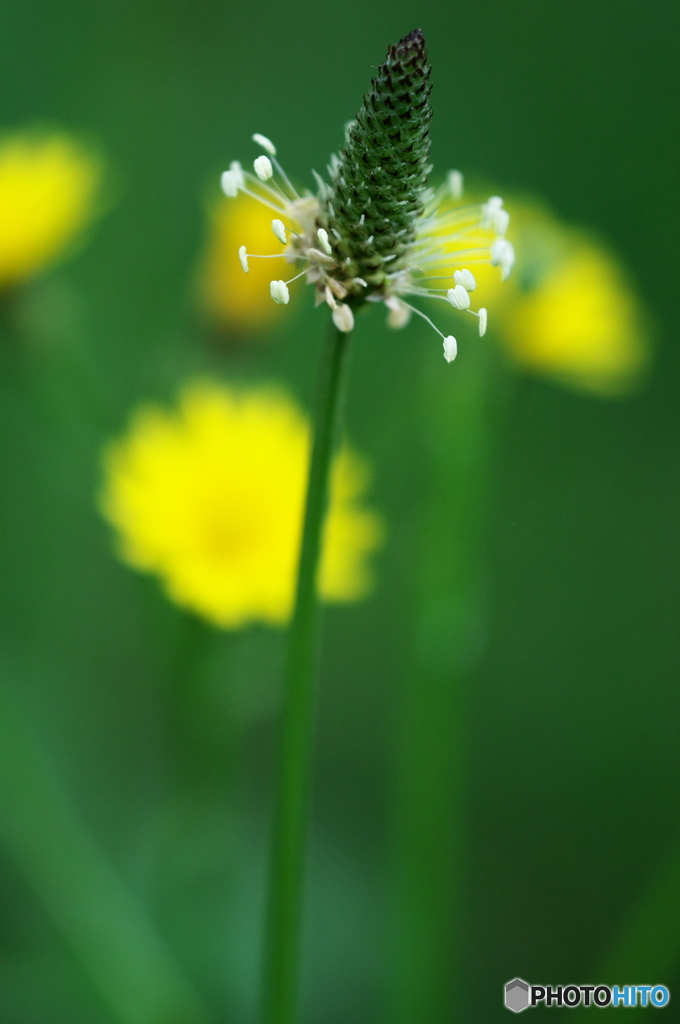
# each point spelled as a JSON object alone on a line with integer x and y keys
{"x": 447, "y": 634}
{"x": 291, "y": 812}
{"x": 127, "y": 961}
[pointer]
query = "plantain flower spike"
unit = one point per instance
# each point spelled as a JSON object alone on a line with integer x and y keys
{"x": 374, "y": 232}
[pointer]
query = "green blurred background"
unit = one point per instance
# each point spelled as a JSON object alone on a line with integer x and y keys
{"x": 571, "y": 762}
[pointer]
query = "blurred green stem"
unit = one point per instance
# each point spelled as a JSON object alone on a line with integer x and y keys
{"x": 647, "y": 943}
{"x": 195, "y": 760}
{"x": 125, "y": 958}
{"x": 282, "y": 953}
{"x": 448, "y": 622}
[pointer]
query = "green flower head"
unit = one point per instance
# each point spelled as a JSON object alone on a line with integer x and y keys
{"x": 374, "y": 231}
{"x": 378, "y": 182}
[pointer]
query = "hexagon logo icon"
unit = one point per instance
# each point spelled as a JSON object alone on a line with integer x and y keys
{"x": 516, "y": 995}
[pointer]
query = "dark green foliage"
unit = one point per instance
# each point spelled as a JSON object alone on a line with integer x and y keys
{"x": 382, "y": 172}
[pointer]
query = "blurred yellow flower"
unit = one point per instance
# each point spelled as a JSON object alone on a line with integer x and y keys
{"x": 570, "y": 311}
{"x": 580, "y": 320}
{"x": 48, "y": 186}
{"x": 210, "y": 498}
{"x": 229, "y": 296}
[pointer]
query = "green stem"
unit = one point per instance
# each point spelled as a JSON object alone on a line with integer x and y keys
{"x": 647, "y": 941}
{"x": 447, "y": 627}
{"x": 127, "y": 961}
{"x": 282, "y": 954}
{"x": 191, "y": 749}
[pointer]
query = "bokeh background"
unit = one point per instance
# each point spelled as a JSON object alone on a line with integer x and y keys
{"x": 563, "y": 785}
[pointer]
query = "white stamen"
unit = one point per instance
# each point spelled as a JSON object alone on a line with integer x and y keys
{"x": 324, "y": 190}
{"x": 266, "y": 143}
{"x": 503, "y": 256}
{"x": 274, "y": 204}
{"x": 483, "y": 317}
{"x": 232, "y": 180}
{"x": 450, "y": 348}
{"x": 466, "y": 278}
{"x": 501, "y": 221}
{"x": 266, "y": 256}
{"x": 494, "y": 216}
{"x": 279, "y": 230}
{"x": 263, "y": 168}
{"x": 337, "y": 287}
{"x": 492, "y": 204}
{"x": 399, "y": 313}
{"x": 243, "y": 256}
{"x": 330, "y": 298}
{"x": 343, "y": 318}
{"x": 458, "y": 297}
{"x": 322, "y": 235}
{"x": 321, "y": 257}
{"x": 229, "y": 184}
{"x": 414, "y": 309}
{"x": 297, "y": 276}
{"x": 279, "y": 292}
{"x": 455, "y": 181}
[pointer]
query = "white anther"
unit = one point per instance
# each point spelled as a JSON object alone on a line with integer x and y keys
{"x": 343, "y": 318}
{"x": 321, "y": 257}
{"x": 337, "y": 287}
{"x": 495, "y": 217}
{"x": 501, "y": 221}
{"x": 450, "y": 348}
{"x": 492, "y": 204}
{"x": 229, "y": 184}
{"x": 232, "y": 180}
{"x": 503, "y": 256}
{"x": 266, "y": 143}
{"x": 458, "y": 297}
{"x": 279, "y": 292}
{"x": 455, "y": 182}
{"x": 330, "y": 298}
{"x": 322, "y": 235}
{"x": 466, "y": 278}
{"x": 279, "y": 230}
{"x": 243, "y": 256}
{"x": 399, "y": 313}
{"x": 263, "y": 168}
{"x": 483, "y": 317}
